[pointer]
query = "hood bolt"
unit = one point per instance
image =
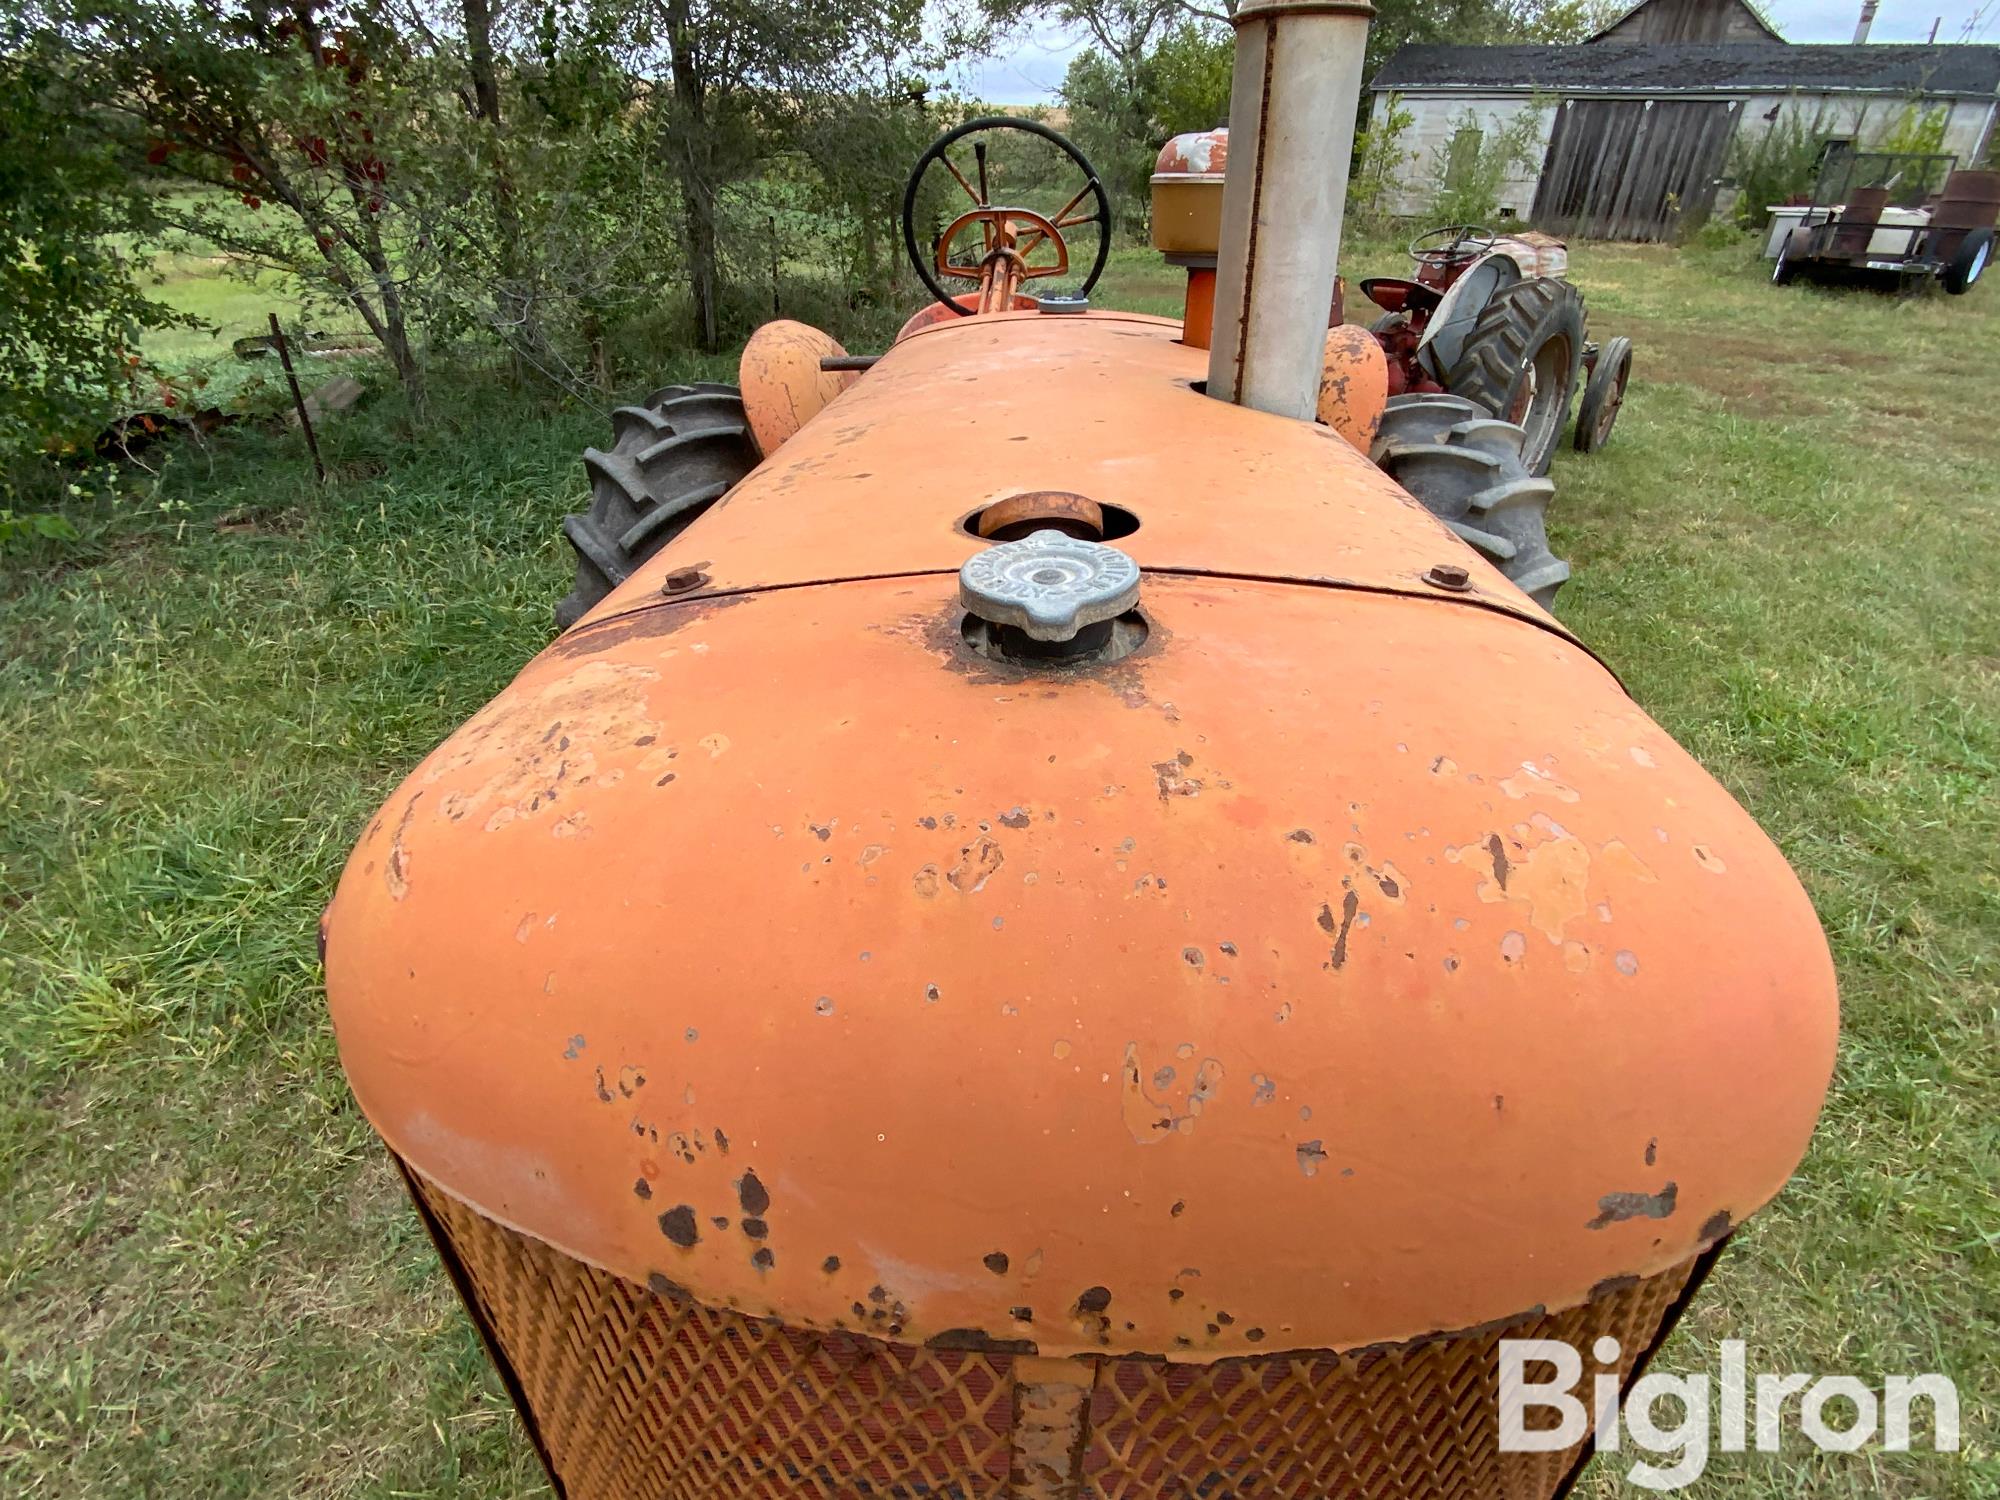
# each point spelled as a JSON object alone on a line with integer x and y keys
{"x": 683, "y": 579}
{"x": 1448, "y": 576}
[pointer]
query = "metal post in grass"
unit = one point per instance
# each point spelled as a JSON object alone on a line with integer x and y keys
{"x": 771, "y": 220}
{"x": 298, "y": 400}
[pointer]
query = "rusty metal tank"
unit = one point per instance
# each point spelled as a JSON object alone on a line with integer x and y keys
{"x": 1068, "y": 939}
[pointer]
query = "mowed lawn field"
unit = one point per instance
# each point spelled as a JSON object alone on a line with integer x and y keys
{"x": 210, "y": 1282}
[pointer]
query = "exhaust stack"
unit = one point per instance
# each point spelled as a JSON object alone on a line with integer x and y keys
{"x": 1291, "y": 117}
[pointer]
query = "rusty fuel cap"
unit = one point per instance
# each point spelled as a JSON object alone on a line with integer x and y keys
{"x": 1050, "y": 597}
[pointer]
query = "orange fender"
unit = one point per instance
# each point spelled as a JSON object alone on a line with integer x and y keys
{"x": 1353, "y": 384}
{"x": 783, "y": 386}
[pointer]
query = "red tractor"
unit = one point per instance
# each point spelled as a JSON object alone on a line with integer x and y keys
{"x": 1491, "y": 318}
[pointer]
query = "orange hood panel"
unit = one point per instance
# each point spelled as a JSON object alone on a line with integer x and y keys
{"x": 969, "y": 412}
{"x": 1337, "y": 969}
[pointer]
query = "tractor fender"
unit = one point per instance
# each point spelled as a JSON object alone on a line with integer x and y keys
{"x": 1444, "y": 339}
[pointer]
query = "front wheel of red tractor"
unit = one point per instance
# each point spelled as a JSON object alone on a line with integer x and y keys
{"x": 1520, "y": 362}
{"x": 1603, "y": 395}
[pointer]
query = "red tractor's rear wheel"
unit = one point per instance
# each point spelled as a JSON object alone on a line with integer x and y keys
{"x": 1465, "y": 468}
{"x": 1520, "y": 361}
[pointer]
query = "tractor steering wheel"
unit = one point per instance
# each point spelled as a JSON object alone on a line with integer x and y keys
{"x": 1452, "y": 245}
{"x": 1016, "y": 244}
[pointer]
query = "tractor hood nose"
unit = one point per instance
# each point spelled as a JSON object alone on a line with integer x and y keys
{"x": 1332, "y": 967}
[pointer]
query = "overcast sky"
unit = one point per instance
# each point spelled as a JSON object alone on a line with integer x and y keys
{"x": 1030, "y": 68}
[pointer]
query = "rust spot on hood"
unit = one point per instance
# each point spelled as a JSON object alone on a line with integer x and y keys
{"x": 1350, "y": 907}
{"x": 645, "y": 623}
{"x": 977, "y": 864}
{"x": 396, "y": 871}
{"x": 1614, "y": 1208}
{"x": 1151, "y": 1120}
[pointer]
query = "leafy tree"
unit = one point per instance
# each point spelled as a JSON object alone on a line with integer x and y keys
{"x": 1380, "y": 154}
{"x": 1124, "y": 107}
{"x": 298, "y": 109}
{"x": 732, "y": 84}
{"x": 1188, "y": 76}
{"x": 74, "y": 306}
{"x": 543, "y": 202}
{"x": 1556, "y": 21}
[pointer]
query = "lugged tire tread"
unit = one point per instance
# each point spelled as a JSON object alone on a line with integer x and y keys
{"x": 1464, "y": 466}
{"x": 671, "y": 458}
{"x": 1513, "y": 324}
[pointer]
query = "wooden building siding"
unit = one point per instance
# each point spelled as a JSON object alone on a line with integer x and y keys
{"x": 1633, "y": 169}
{"x": 1967, "y": 121}
{"x": 1435, "y": 122}
{"x": 1689, "y": 21}
{"x": 1437, "y": 118}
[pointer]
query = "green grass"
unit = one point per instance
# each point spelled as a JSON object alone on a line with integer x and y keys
{"x": 209, "y": 1282}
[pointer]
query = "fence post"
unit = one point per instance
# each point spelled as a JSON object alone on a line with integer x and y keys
{"x": 298, "y": 400}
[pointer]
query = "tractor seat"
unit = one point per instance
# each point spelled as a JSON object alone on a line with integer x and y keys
{"x": 1393, "y": 294}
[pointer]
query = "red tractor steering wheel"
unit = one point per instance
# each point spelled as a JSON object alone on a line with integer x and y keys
{"x": 1452, "y": 246}
{"x": 1015, "y": 244}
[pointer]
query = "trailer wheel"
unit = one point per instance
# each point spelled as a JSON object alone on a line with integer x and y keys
{"x": 1465, "y": 468}
{"x": 1520, "y": 361}
{"x": 673, "y": 457}
{"x": 1603, "y": 395}
{"x": 1975, "y": 251}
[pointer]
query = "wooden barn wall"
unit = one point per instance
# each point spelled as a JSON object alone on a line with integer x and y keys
{"x": 1633, "y": 169}
{"x": 1688, "y": 21}
{"x": 1865, "y": 118}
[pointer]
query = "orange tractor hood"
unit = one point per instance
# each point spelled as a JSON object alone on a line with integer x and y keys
{"x": 968, "y": 412}
{"x": 1353, "y": 961}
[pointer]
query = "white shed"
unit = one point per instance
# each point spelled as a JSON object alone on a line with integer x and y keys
{"x": 1631, "y": 135}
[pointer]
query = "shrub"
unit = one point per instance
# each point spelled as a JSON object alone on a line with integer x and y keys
{"x": 1776, "y": 165}
{"x": 1469, "y": 172}
{"x": 1379, "y": 158}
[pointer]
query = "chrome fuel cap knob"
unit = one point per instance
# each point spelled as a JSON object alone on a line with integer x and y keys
{"x": 1049, "y": 586}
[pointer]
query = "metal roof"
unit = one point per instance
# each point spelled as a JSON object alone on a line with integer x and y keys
{"x": 1659, "y": 68}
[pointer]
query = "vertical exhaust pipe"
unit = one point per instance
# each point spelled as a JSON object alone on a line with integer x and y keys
{"x": 1291, "y": 131}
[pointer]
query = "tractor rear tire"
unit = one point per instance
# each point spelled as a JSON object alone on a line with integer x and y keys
{"x": 1465, "y": 468}
{"x": 1520, "y": 361}
{"x": 1975, "y": 253}
{"x": 675, "y": 455}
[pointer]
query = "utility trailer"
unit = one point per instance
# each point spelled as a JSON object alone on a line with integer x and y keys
{"x": 1907, "y": 215}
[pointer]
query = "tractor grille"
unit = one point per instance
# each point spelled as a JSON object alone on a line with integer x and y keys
{"x": 636, "y": 1396}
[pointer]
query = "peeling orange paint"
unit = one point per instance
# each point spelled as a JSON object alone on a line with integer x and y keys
{"x": 1152, "y": 1120}
{"x": 1532, "y": 780}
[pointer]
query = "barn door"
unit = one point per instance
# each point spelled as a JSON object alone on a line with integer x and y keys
{"x": 1633, "y": 169}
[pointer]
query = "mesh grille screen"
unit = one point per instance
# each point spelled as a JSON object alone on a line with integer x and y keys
{"x": 640, "y": 1397}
